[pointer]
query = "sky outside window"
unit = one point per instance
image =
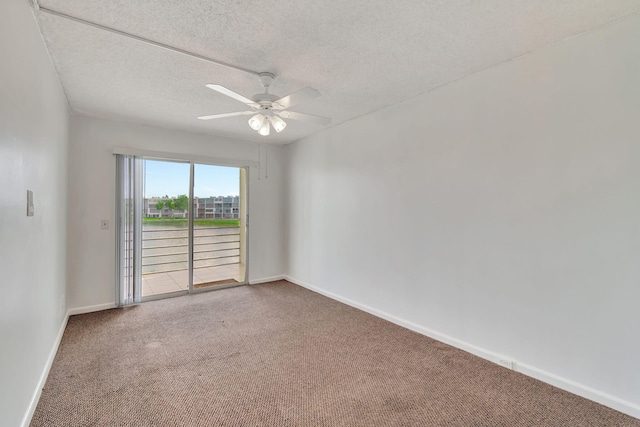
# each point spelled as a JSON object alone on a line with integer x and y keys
{"x": 172, "y": 179}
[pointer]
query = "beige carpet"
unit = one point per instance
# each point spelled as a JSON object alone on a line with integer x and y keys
{"x": 280, "y": 355}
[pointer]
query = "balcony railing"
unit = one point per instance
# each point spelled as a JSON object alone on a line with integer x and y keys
{"x": 166, "y": 249}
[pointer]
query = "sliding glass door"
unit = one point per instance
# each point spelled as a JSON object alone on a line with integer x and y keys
{"x": 217, "y": 226}
{"x": 191, "y": 226}
{"x": 165, "y": 227}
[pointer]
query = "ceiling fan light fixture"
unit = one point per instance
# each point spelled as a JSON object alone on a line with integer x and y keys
{"x": 265, "y": 128}
{"x": 257, "y": 121}
{"x": 278, "y": 123}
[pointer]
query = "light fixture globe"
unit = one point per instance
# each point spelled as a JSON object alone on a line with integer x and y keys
{"x": 265, "y": 128}
{"x": 257, "y": 121}
{"x": 278, "y": 123}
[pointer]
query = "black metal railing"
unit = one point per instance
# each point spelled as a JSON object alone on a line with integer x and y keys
{"x": 167, "y": 249}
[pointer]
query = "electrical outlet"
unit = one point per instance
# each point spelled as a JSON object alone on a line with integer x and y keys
{"x": 506, "y": 362}
{"x": 104, "y": 224}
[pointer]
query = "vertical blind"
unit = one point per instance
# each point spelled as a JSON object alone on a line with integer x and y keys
{"x": 129, "y": 245}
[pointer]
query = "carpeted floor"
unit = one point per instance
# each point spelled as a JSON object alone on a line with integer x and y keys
{"x": 280, "y": 355}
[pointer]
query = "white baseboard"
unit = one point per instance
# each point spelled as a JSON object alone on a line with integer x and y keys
{"x": 266, "y": 279}
{"x": 91, "y": 308}
{"x": 605, "y": 399}
{"x": 45, "y": 373}
{"x": 582, "y": 390}
{"x": 52, "y": 354}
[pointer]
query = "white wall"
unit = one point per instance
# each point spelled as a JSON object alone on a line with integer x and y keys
{"x": 501, "y": 213}
{"x": 92, "y": 177}
{"x": 33, "y": 155}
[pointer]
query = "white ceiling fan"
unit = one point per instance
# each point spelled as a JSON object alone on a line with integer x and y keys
{"x": 269, "y": 110}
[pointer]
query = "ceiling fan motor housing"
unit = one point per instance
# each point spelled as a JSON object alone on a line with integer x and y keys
{"x": 265, "y": 100}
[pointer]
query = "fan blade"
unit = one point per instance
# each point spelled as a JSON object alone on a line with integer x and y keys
{"x": 298, "y": 97}
{"x": 322, "y": 121}
{"x": 220, "y": 116}
{"x": 231, "y": 94}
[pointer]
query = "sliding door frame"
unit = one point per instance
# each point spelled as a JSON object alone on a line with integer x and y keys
{"x": 191, "y": 229}
{"x": 244, "y": 221}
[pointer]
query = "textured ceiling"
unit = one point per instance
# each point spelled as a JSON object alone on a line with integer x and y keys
{"x": 362, "y": 55}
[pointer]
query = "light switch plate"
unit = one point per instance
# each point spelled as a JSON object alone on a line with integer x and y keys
{"x": 30, "y": 208}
